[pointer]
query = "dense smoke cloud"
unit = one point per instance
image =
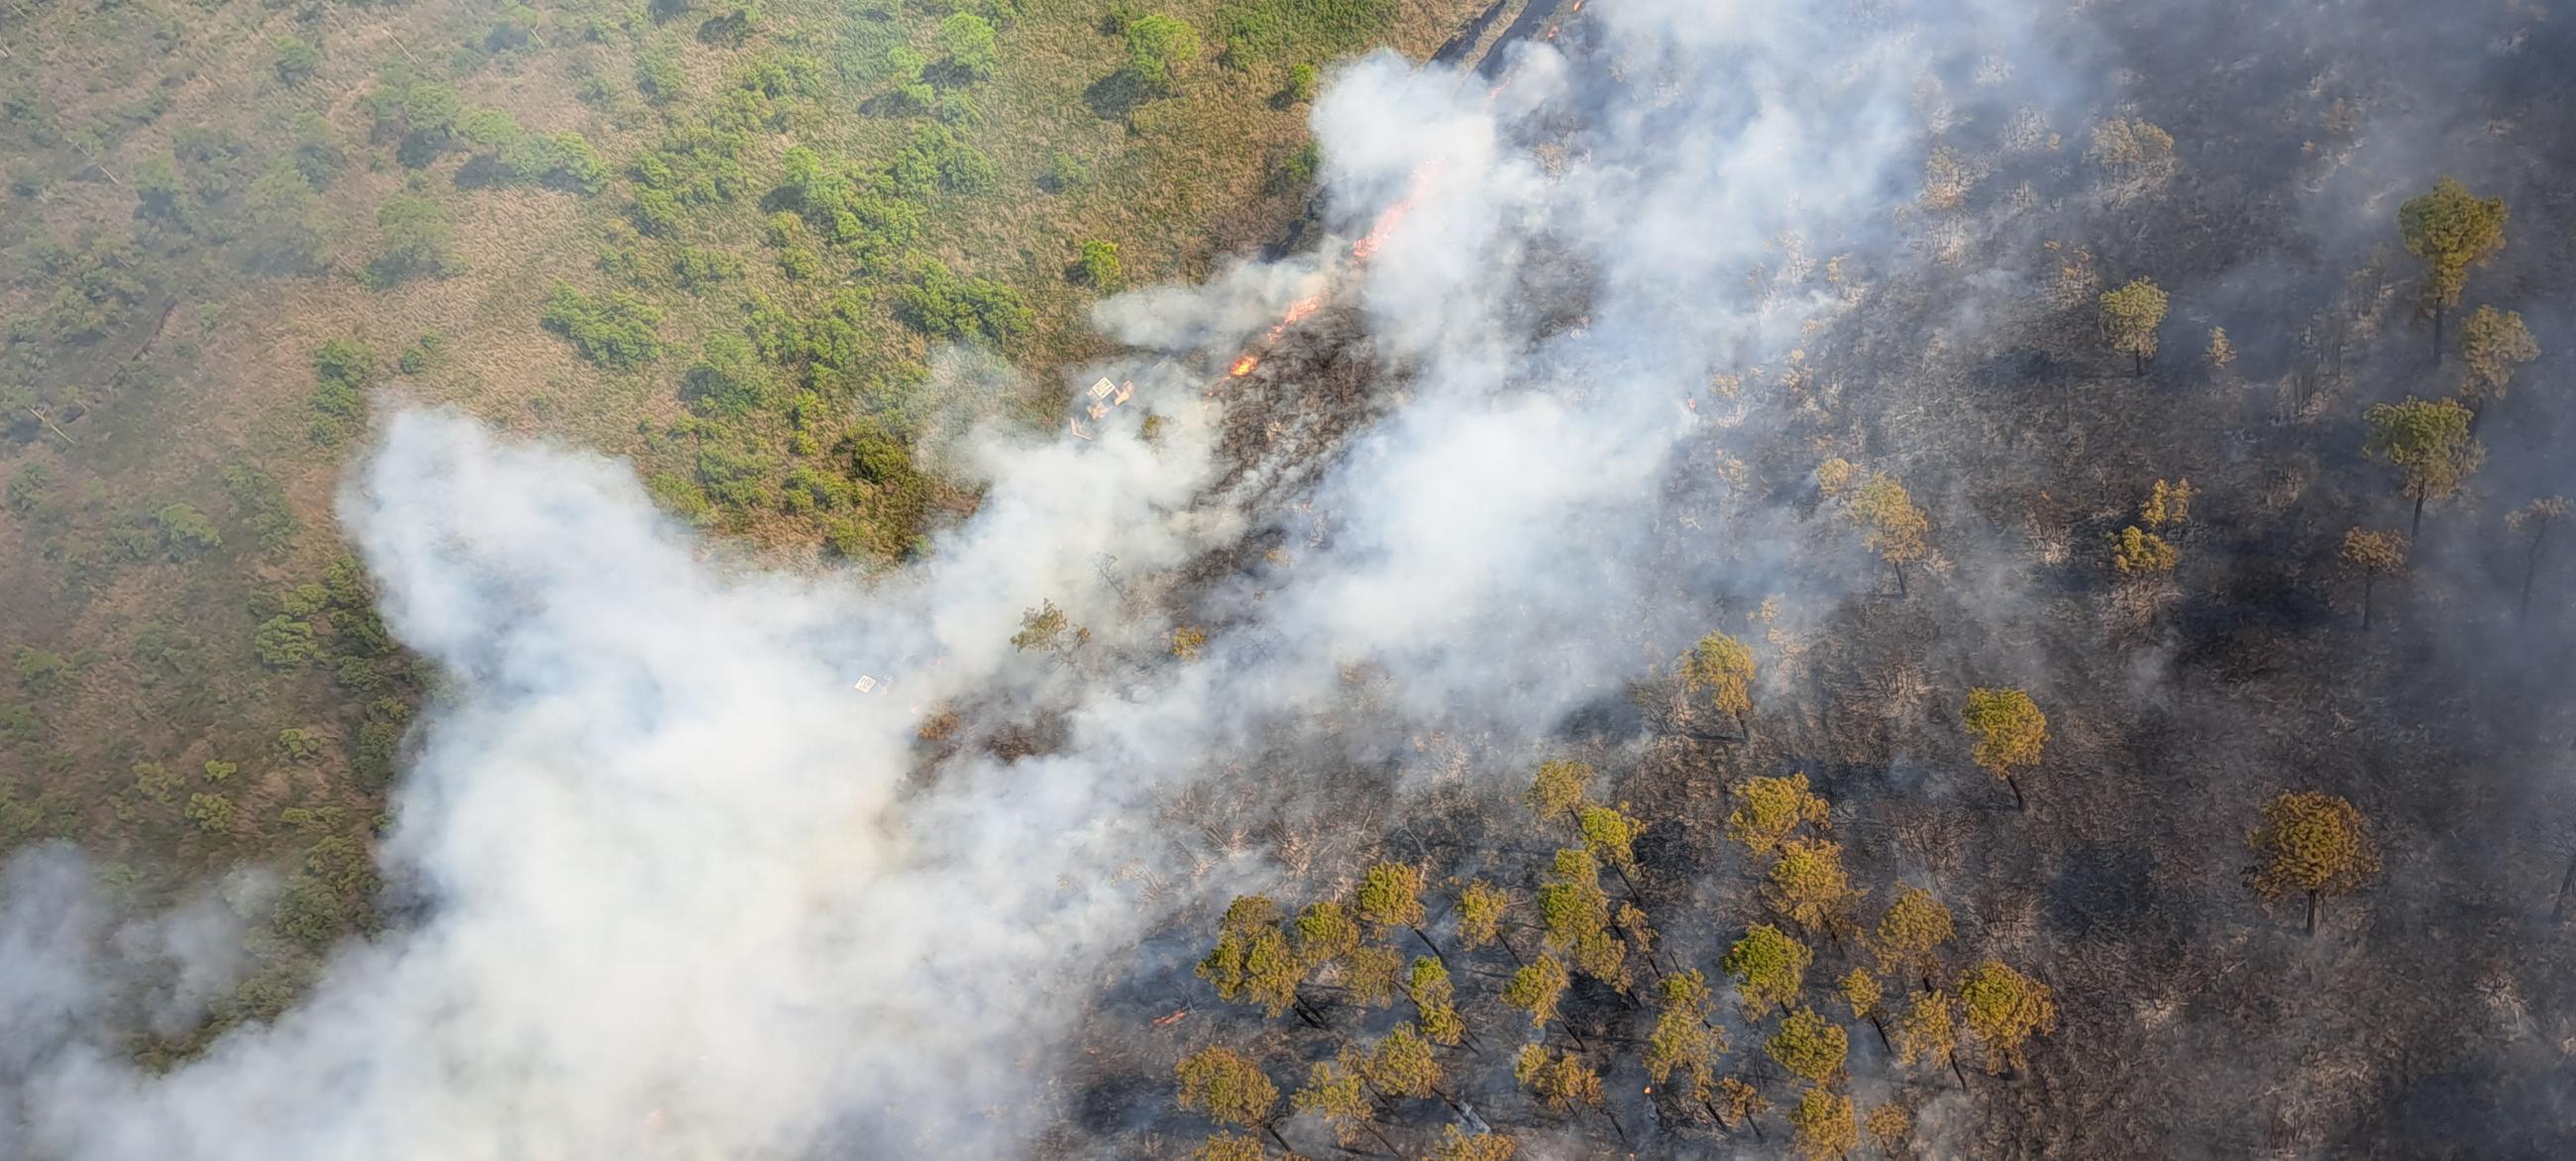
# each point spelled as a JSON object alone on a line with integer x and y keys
{"x": 684, "y": 893}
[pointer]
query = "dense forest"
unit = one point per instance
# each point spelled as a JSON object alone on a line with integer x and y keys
{"x": 1286, "y": 578}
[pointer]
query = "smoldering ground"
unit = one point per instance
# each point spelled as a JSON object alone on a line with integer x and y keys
{"x": 688, "y": 893}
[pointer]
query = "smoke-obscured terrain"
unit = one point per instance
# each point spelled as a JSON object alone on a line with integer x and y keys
{"x": 1695, "y": 580}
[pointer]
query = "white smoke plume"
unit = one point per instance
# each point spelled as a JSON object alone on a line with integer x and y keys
{"x": 686, "y": 894}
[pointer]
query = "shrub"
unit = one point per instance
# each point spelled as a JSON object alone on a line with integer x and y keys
{"x": 699, "y": 267}
{"x": 295, "y": 59}
{"x": 211, "y": 812}
{"x": 1100, "y": 264}
{"x": 941, "y": 304}
{"x": 424, "y": 353}
{"x": 298, "y": 745}
{"x": 1301, "y": 82}
{"x": 1066, "y": 173}
{"x": 970, "y": 44}
{"x": 284, "y": 643}
{"x": 185, "y": 531}
{"x": 615, "y": 330}
{"x": 416, "y": 235}
{"x": 1157, "y": 46}
{"x": 728, "y": 379}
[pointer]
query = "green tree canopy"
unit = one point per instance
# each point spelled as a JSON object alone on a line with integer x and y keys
{"x": 2428, "y": 442}
{"x": 1722, "y": 666}
{"x": 2452, "y": 230}
{"x": 1768, "y": 967}
{"x": 2311, "y": 844}
{"x": 1809, "y": 1046}
{"x": 1769, "y": 810}
{"x": 2495, "y": 345}
{"x": 1157, "y": 47}
{"x": 2130, "y": 316}
{"x": 1822, "y": 1125}
{"x": 2005, "y": 1008}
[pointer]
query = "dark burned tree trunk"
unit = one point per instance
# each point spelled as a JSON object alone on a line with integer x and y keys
{"x": 2312, "y": 913}
{"x": 2415, "y": 529}
{"x": 2439, "y": 313}
{"x": 2566, "y": 883}
{"x": 2531, "y": 569}
{"x": 1615, "y": 1126}
{"x": 1899, "y": 566}
{"x": 1881, "y": 1026}
{"x": 1957, "y": 1071}
{"x": 1273, "y": 1130}
{"x": 2367, "y": 580}
{"x": 2019, "y": 803}
{"x": 1435, "y": 948}
{"x": 1391, "y": 1150}
{"x": 2142, "y": 363}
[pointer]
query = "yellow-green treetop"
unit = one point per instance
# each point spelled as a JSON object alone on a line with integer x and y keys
{"x": 1335, "y": 1095}
{"x": 2311, "y": 844}
{"x": 1252, "y": 962}
{"x": 1722, "y": 666}
{"x": 1769, "y": 810}
{"x": 1822, "y": 1126}
{"x": 2130, "y": 316}
{"x": 1230, "y": 1147}
{"x": 1402, "y": 1064}
{"x": 1890, "y": 523}
{"x": 1809, "y": 1046}
{"x": 1390, "y": 895}
{"x": 1862, "y": 992}
{"x": 2452, "y": 230}
{"x": 1368, "y": 974}
{"x": 1435, "y": 1001}
{"x": 1740, "y": 1100}
{"x": 1557, "y": 788}
{"x": 2374, "y": 553}
{"x": 1481, "y": 907}
{"x": 2168, "y": 504}
{"x": 2005, "y": 1008}
{"x": 1908, "y": 932}
{"x": 1768, "y": 967}
{"x": 1457, "y": 1144}
{"x": 1574, "y": 913}
{"x": 1683, "y": 1040}
{"x": 2428, "y": 442}
{"x": 2136, "y": 552}
{"x": 1229, "y": 1087}
{"x": 1808, "y": 885}
{"x": 1929, "y": 1029}
{"x": 1325, "y": 932}
{"x": 1561, "y": 1081}
{"x": 1890, "y": 1127}
{"x": 1610, "y": 834}
{"x": 2011, "y": 733}
{"x": 1537, "y": 987}
{"x": 2495, "y": 345}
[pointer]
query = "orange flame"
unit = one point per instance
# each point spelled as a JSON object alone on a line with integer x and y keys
{"x": 1244, "y": 365}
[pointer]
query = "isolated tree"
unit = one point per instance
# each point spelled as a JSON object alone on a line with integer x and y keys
{"x": 1891, "y": 525}
{"x": 1741, "y": 1102}
{"x": 2011, "y": 733}
{"x": 1231, "y": 1089}
{"x": 1809, "y": 1046}
{"x": 2535, "y": 520}
{"x": 2495, "y": 345}
{"x": 1723, "y": 666}
{"x": 2373, "y": 555}
{"x": 1834, "y": 476}
{"x": 1481, "y": 909}
{"x": 1390, "y": 895}
{"x": 1769, "y": 810}
{"x": 1862, "y": 993}
{"x": 1157, "y": 46}
{"x": 1563, "y": 1083}
{"x": 1910, "y": 933}
{"x": 2221, "y": 354}
{"x": 1252, "y": 962}
{"x": 1537, "y": 987}
{"x": 1891, "y": 1128}
{"x": 973, "y": 49}
{"x": 1767, "y": 966}
{"x": 1327, "y": 933}
{"x": 2137, "y": 553}
{"x": 2429, "y": 444}
{"x": 1683, "y": 1039}
{"x": 1807, "y": 884}
{"x": 2311, "y": 844}
{"x": 1435, "y": 1002}
{"x": 1822, "y": 1124}
{"x": 2452, "y": 230}
{"x": 2130, "y": 316}
{"x": 1335, "y": 1095}
{"x": 1574, "y": 915}
{"x": 1457, "y": 1144}
{"x": 2004, "y": 1009}
{"x": 1557, "y": 788}
{"x": 2130, "y": 144}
